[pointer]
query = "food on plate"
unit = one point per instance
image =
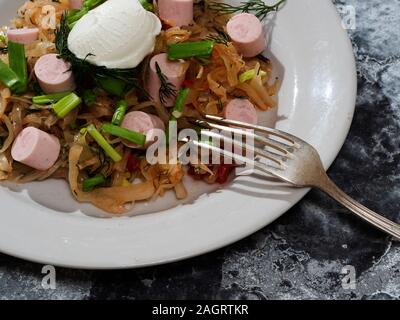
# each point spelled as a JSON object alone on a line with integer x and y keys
{"x": 76, "y": 4}
{"x": 246, "y": 33}
{"x": 53, "y": 74}
{"x": 24, "y": 35}
{"x": 163, "y": 71}
{"x": 176, "y": 13}
{"x": 141, "y": 122}
{"x": 117, "y": 34}
{"x": 241, "y": 110}
{"x": 85, "y": 84}
{"x": 36, "y": 148}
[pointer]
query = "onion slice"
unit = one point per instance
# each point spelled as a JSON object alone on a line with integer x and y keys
{"x": 113, "y": 199}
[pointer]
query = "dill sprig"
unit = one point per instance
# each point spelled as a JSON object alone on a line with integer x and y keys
{"x": 84, "y": 71}
{"x": 257, "y": 7}
{"x": 218, "y": 37}
{"x": 167, "y": 89}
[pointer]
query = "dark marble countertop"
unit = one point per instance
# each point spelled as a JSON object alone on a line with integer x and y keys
{"x": 283, "y": 261}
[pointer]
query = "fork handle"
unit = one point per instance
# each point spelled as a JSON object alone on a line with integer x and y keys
{"x": 357, "y": 208}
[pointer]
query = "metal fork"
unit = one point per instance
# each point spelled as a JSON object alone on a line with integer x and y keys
{"x": 291, "y": 160}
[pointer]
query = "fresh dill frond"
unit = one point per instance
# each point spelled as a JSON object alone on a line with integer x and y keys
{"x": 218, "y": 37}
{"x": 257, "y": 7}
{"x": 86, "y": 73}
{"x": 167, "y": 89}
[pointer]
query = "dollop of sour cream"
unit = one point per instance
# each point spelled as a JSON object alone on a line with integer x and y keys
{"x": 117, "y": 34}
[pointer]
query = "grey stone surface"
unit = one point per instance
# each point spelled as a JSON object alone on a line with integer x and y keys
{"x": 301, "y": 255}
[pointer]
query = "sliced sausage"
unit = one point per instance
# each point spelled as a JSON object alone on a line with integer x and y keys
{"x": 75, "y": 4}
{"x": 176, "y": 12}
{"x": 173, "y": 70}
{"x": 247, "y": 34}
{"x": 36, "y": 148}
{"x": 141, "y": 122}
{"x": 53, "y": 74}
{"x": 23, "y": 36}
{"x": 241, "y": 110}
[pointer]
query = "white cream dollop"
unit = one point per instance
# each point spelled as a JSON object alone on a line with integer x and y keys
{"x": 117, "y": 34}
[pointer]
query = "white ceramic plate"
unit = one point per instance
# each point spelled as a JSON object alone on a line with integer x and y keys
{"x": 311, "y": 52}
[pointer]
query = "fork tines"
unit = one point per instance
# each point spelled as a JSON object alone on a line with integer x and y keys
{"x": 270, "y": 131}
{"x": 269, "y": 148}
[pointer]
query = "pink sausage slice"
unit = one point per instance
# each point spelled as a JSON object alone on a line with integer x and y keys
{"x": 23, "y": 36}
{"x": 241, "y": 110}
{"x": 247, "y": 34}
{"x": 75, "y": 4}
{"x": 36, "y": 148}
{"x": 174, "y": 71}
{"x": 53, "y": 74}
{"x": 176, "y": 12}
{"x": 141, "y": 122}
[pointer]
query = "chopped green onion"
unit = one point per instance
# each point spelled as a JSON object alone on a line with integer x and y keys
{"x": 112, "y": 85}
{"x": 90, "y": 183}
{"x": 15, "y": 75}
{"x": 3, "y": 44}
{"x": 108, "y": 149}
{"x": 119, "y": 113}
{"x": 180, "y": 103}
{"x": 7, "y": 76}
{"x": 17, "y": 62}
{"x": 91, "y": 4}
{"x": 249, "y": 74}
{"x": 50, "y": 98}
{"x": 185, "y": 50}
{"x": 66, "y": 105}
{"x": 148, "y": 6}
{"x": 89, "y": 97}
{"x": 74, "y": 15}
{"x": 131, "y": 136}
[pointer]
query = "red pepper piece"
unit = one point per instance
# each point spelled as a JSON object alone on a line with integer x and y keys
{"x": 133, "y": 163}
